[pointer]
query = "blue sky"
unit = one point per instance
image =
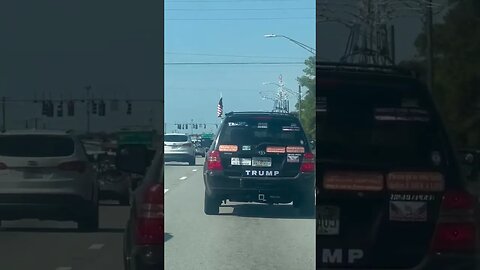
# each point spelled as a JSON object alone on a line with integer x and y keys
{"x": 231, "y": 31}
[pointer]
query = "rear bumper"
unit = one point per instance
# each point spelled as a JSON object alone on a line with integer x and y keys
{"x": 52, "y": 206}
{"x": 180, "y": 157}
{"x": 111, "y": 190}
{"x": 148, "y": 257}
{"x": 435, "y": 262}
{"x": 281, "y": 190}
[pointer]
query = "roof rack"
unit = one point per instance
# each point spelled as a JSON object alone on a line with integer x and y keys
{"x": 379, "y": 69}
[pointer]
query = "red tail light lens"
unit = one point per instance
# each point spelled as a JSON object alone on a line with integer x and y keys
{"x": 308, "y": 163}
{"x": 77, "y": 166}
{"x": 150, "y": 213}
{"x": 456, "y": 230}
{"x": 3, "y": 166}
{"x": 214, "y": 162}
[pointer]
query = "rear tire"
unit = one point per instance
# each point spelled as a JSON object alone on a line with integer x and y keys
{"x": 211, "y": 205}
{"x": 90, "y": 220}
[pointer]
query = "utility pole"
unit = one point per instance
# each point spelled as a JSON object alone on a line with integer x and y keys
{"x": 4, "y": 123}
{"x": 88, "y": 103}
{"x": 429, "y": 36}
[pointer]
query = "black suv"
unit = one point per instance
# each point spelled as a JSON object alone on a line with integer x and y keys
{"x": 260, "y": 157}
{"x": 390, "y": 192}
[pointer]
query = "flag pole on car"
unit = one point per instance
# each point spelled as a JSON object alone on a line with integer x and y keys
{"x": 220, "y": 107}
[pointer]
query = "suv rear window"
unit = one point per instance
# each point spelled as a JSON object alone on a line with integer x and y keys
{"x": 378, "y": 125}
{"x": 253, "y": 131}
{"x": 176, "y": 138}
{"x": 36, "y": 146}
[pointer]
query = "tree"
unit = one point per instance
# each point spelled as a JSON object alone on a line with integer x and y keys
{"x": 456, "y": 44}
{"x": 308, "y": 110}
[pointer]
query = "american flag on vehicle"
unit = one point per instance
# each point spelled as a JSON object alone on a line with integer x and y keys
{"x": 220, "y": 107}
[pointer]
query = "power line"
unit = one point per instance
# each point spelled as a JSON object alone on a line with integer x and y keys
{"x": 233, "y": 63}
{"x": 226, "y": 1}
{"x": 243, "y": 19}
{"x": 232, "y": 55}
{"x": 235, "y": 9}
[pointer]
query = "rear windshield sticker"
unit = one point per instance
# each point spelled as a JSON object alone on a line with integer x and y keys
{"x": 246, "y": 162}
{"x": 228, "y": 148}
{"x": 353, "y": 181}
{"x": 235, "y": 161}
{"x": 290, "y": 128}
{"x": 275, "y": 149}
{"x": 293, "y": 158}
{"x": 401, "y": 114}
{"x": 415, "y": 181}
{"x": 262, "y": 125}
{"x": 246, "y": 148}
{"x": 237, "y": 124}
{"x": 412, "y": 197}
{"x": 408, "y": 211}
{"x": 295, "y": 149}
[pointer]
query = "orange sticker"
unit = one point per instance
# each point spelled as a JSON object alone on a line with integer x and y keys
{"x": 228, "y": 148}
{"x": 357, "y": 181}
{"x": 295, "y": 149}
{"x": 275, "y": 149}
{"x": 415, "y": 181}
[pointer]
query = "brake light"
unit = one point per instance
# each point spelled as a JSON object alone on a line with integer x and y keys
{"x": 214, "y": 162}
{"x": 77, "y": 166}
{"x": 456, "y": 230}
{"x": 149, "y": 227}
{"x": 308, "y": 163}
{"x": 3, "y": 166}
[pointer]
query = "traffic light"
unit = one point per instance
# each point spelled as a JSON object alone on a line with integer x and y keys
{"x": 101, "y": 108}
{"x": 179, "y": 126}
{"x": 71, "y": 108}
{"x": 204, "y": 126}
{"x": 129, "y": 107}
{"x": 44, "y": 108}
{"x": 94, "y": 107}
{"x": 60, "y": 109}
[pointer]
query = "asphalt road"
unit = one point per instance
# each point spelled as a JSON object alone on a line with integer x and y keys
{"x": 245, "y": 236}
{"x": 49, "y": 245}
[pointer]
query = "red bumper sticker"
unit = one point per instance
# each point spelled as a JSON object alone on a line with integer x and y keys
{"x": 275, "y": 149}
{"x": 356, "y": 181}
{"x": 228, "y": 148}
{"x": 415, "y": 181}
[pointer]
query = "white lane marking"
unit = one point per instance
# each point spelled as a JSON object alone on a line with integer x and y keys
{"x": 165, "y": 190}
{"x": 96, "y": 246}
{"x": 64, "y": 268}
{"x": 194, "y": 170}
{"x": 183, "y": 178}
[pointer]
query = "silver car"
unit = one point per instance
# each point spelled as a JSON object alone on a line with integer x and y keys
{"x": 179, "y": 147}
{"x": 47, "y": 175}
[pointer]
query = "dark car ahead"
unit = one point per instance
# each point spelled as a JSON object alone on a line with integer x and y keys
{"x": 390, "y": 192}
{"x": 260, "y": 157}
{"x": 144, "y": 234}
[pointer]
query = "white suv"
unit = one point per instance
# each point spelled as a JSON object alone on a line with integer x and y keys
{"x": 179, "y": 147}
{"x": 47, "y": 175}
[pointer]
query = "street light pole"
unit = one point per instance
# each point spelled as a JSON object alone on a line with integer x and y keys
{"x": 306, "y": 47}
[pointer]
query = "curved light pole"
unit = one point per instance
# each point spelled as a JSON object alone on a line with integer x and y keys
{"x": 306, "y": 47}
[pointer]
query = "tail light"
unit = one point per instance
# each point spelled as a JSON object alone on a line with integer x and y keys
{"x": 308, "y": 163}
{"x": 149, "y": 227}
{"x": 77, "y": 166}
{"x": 3, "y": 166}
{"x": 214, "y": 162}
{"x": 456, "y": 230}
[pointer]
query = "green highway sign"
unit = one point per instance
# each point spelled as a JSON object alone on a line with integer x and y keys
{"x": 207, "y": 136}
{"x": 139, "y": 137}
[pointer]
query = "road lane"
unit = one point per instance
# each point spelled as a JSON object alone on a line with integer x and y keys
{"x": 245, "y": 236}
{"x": 176, "y": 172}
{"x": 34, "y": 245}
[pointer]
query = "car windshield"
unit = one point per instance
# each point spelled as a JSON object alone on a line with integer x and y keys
{"x": 36, "y": 146}
{"x": 251, "y": 131}
{"x": 176, "y": 138}
{"x": 375, "y": 126}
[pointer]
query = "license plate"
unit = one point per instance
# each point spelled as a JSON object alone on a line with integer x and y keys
{"x": 328, "y": 220}
{"x": 261, "y": 162}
